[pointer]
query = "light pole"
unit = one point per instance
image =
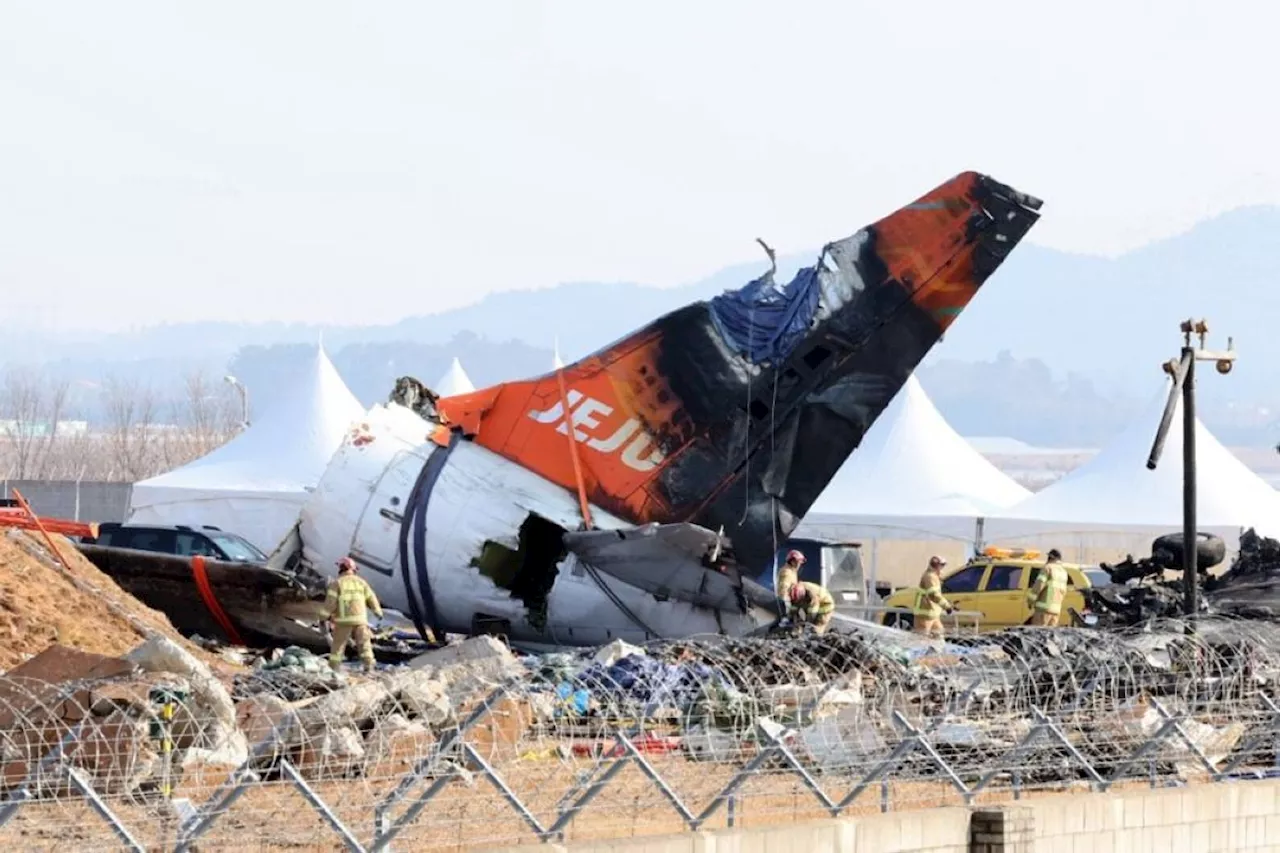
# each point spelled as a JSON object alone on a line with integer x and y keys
{"x": 1183, "y": 371}
{"x": 244, "y": 400}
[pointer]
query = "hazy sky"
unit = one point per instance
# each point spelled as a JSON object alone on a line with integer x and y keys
{"x": 357, "y": 162}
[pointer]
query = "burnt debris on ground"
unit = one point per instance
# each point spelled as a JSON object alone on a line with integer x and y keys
{"x": 840, "y": 703}
{"x": 1249, "y": 588}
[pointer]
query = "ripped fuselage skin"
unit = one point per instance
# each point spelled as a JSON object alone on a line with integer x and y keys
{"x": 449, "y": 534}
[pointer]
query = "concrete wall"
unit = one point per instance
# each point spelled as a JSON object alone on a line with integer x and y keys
{"x": 1220, "y": 818}
{"x": 57, "y": 498}
{"x": 1214, "y": 818}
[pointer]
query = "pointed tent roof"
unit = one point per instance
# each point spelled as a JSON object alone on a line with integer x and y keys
{"x": 556, "y": 361}
{"x": 454, "y": 381}
{"x": 912, "y": 463}
{"x": 288, "y": 447}
{"x": 278, "y": 458}
{"x": 1115, "y": 487}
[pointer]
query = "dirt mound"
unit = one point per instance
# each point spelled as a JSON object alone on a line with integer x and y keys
{"x": 40, "y": 605}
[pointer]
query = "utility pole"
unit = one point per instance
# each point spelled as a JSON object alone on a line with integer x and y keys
{"x": 1183, "y": 371}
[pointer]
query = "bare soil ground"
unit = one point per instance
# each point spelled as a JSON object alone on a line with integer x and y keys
{"x": 466, "y": 817}
{"x": 40, "y": 605}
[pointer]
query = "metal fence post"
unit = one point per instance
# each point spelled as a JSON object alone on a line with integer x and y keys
{"x": 79, "y": 478}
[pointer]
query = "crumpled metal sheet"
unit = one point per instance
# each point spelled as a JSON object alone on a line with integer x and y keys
{"x": 1249, "y": 589}
{"x": 765, "y": 321}
{"x": 665, "y": 560}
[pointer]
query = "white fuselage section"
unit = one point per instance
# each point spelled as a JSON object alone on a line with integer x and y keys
{"x": 475, "y": 497}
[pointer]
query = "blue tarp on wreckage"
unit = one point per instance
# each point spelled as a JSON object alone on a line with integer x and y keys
{"x": 765, "y": 321}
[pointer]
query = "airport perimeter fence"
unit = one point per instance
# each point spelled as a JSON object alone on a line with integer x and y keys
{"x": 694, "y": 734}
{"x": 77, "y": 500}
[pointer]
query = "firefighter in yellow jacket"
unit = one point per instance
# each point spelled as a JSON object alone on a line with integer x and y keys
{"x": 789, "y": 574}
{"x": 930, "y": 602}
{"x": 344, "y": 605}
{"x": 1047, "y": 593}
{"x": 811, "y": 603}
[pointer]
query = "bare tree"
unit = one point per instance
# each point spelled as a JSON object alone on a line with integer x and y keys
{"x": 130, "y": 411}
{"x": 205, "y": 418}
{"x": 210, "y": 415}
{"x": 32, "y": 409}
{"x": 81, "y": 455}
{"x": 55, "y": 413}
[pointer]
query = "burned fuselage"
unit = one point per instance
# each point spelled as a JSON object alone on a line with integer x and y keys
{"x": 404, "y": 507}
{"x": 729, "y": 415}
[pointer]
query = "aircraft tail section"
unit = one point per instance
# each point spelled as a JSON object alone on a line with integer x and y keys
{"x": 739, "y": 410}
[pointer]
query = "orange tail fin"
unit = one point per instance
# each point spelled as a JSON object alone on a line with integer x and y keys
{"x": 738, "y": 411}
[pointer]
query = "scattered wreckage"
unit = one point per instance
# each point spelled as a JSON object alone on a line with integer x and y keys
{"x": 1249, "y": 589}
{"x": 1049, "y": 707}
{"x": 240, "y": 603}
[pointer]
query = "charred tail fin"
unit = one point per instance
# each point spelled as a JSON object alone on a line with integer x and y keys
{"x": 740, "y": 410}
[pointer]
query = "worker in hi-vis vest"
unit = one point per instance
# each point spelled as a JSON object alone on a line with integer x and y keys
{"x": 930, "y": 602}
{"x": 344, "y": 605}
{"x": 1047, "y": 593}
{"x": 809, "y": 602}
{"x": 789, "y": 575}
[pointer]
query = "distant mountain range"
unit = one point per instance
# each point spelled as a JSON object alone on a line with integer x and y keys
{"x": 1055, "y": 350}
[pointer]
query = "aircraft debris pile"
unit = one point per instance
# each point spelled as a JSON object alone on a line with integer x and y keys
{"x": 840, "y": 703}
{"x": 290, "y": 706}
{"x": 1249, "y": 589}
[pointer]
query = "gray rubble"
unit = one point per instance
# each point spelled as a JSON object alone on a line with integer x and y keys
{"x": 220, "y": 741}
{"x": 839, "y": 703}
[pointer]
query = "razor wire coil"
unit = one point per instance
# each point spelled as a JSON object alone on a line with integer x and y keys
{"x": 691, "y": 734}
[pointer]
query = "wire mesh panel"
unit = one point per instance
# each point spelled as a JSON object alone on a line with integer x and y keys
{"x": 703, "y": 733}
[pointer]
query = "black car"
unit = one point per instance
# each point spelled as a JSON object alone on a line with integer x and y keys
{"x": 179, "y": 540}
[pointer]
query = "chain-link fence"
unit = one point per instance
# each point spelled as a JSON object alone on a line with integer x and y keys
{"x": 77, "y": 500}
{"x": 695, "y": 734}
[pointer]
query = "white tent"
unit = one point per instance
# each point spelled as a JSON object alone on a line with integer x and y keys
{"x": 1115, "y": 490}
{"x": 255, "y": 484}
{"x": 454, "y": 381}
{"x": 912, "y": 467}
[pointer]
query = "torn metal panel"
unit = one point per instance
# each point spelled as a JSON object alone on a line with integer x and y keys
{"x": 738, "y": 411}
{"x": 766, "y": 321}
{"x": 247, "y": 592}
{"x": 665, "y": 560}
{"x": 415, "y": 396}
